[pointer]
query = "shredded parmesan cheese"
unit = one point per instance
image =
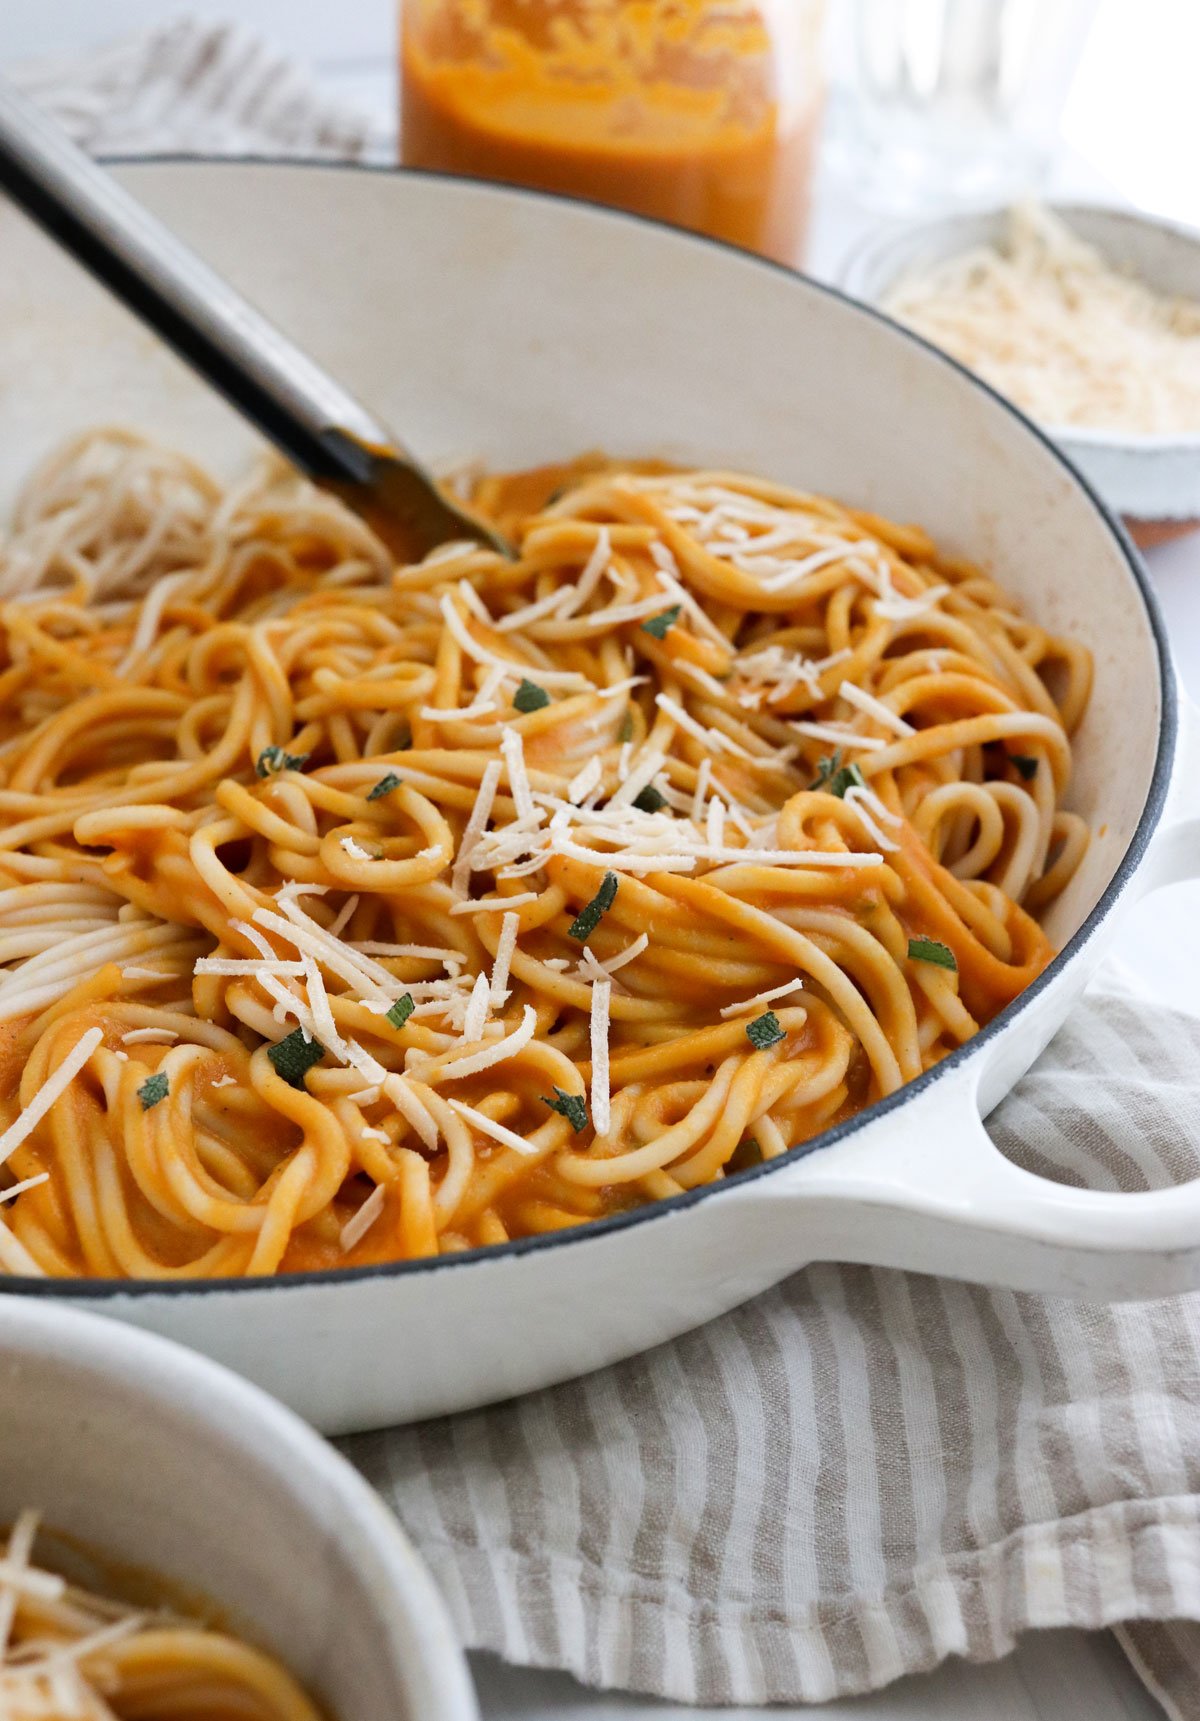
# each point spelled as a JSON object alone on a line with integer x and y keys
{"x": 872, "y": 811}
{"x": 513, "y": 750}
{"x": 838, "y": 735}
{"x": 495, "y": 904}
{"x": 883, "y": 714}
{"x": 343, "y": 917}
{"x": 481, "y": 812}
{"x": 567, "y": 680}
{"x": 477, "y": 1009}
{"x": 356, "y": 851}
{"x": 505, "y": 946}
{"x": 1053, "y": 324}
{"x": 16, "y": 1189}
{"x": 357, "y": 1226}
{"x": 55, "y": 1085}
{"x": 746, "y": 1005}
{"x": 581, "y": 786}
{"x": 601, "y": 1100}
{"x": 488, "y": 1126}
{"x": 498, "y": 1053}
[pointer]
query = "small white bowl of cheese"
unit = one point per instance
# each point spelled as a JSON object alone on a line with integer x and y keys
{"x": 1087, "y": 317}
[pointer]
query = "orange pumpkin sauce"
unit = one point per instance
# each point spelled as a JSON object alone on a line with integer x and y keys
{"x": 681, "y": 110}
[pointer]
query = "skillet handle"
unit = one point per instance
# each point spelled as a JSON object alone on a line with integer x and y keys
{"x": 923, "y": 1187}
{"x": 1174, "y": 855}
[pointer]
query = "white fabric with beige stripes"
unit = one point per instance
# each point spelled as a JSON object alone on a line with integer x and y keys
{"x": 862, "y": 1472}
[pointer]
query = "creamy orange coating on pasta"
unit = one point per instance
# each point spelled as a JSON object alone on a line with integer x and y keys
{"x": 352, "y": 912}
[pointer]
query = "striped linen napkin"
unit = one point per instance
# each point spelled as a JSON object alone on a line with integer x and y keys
{"x": 863, "y": 1471}
{"x": 195, "y": 86}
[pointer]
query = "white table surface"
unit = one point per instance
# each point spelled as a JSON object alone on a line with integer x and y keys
{"x": 1054, "y": 1675}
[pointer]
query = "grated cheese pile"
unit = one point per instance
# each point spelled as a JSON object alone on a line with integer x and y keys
{"x": 1066, "y": 334}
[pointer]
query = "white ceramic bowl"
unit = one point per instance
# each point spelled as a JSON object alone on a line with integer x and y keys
{"x": 158, "y": 1458}
{"x": 1146, "y": 478}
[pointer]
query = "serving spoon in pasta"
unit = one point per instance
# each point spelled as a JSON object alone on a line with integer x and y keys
{"x": 308, "y": 415}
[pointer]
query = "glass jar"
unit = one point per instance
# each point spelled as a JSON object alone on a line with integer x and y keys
{"x": 698, "y": 112}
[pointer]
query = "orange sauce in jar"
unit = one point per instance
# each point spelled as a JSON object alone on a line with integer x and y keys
{"x": 698, "y": 112}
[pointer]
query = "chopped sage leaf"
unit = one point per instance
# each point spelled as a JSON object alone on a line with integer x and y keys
{"x": 530, "y": 697}
{"x": 651, "y": 800}
{"x": 384, "y": 786}
{"x": 849, "y": 777}
{"x": 274, "y": 759}
{"x": 931, "y": 950}
{"x": 625, "y": 732}
{"x": 835, "y": 778}
{"x": 657, "y": 625}
{"x": 1025, "y": 765}
{"x": 827, "y": 770}
{"x": 764, "y": 1031}
{"x": 153, "y": 1089}
{"x": 747, "y": 1153}
{"x": 401, "y": 1010}
{"x": 571, "y": 1106}
{"x": 295, "y": 1056}
{"x": 589, "y": 917}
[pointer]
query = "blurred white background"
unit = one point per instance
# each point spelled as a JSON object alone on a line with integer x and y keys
{"x": 1132, "y": 116}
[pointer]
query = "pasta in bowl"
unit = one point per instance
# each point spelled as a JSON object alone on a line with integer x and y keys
{"x": 354, "y": 913}
{"x": 77, "y": 1649}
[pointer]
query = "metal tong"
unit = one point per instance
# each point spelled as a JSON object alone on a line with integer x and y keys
{"x": 308, "y": 415}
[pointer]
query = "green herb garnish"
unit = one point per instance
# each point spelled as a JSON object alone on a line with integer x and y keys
{"x": 835, "y": 778}
{"x": 384, "y": 786}
{"x": 401, "y": 1010}
{"x": 153, "y": 1089}
{"x": 747, "y": 1153}
{"x": 764, "y": 1031}
{"x": 849, "y": 777}
{"x": 571, "y": 1106}
{"x": 931, "y": 950}
{"x": 656, "y": 625}
{"x": 589, "y": 918}
{"x": 1025, "y": 765}
{"x": 274, "y": 759}
{"x": 625, "y": 732}
{"x": 530, "y": 697}
{"x": 827, "y": 769}
{"x": 295, "y": 1056}
{"x": 651, "y": 800}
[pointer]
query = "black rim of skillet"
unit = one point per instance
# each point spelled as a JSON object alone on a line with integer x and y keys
{"x": 99, "y": 1290}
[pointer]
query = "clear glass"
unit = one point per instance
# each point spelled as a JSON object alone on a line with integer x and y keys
{"x": 699, "y": 112}
{"x": 959, "y": 101}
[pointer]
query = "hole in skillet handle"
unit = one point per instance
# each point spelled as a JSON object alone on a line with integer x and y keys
{"x": 1101, "y": 1107}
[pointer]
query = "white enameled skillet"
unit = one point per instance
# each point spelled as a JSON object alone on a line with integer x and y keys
{"x": 153, "y": 1458}
{"x": 520, "y": 328}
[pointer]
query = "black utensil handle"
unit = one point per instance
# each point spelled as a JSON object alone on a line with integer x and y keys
{"x": 291, "y": 400}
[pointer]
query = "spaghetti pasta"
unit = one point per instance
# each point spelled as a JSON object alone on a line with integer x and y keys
{"x": 352, "y": 912}
{"x": 67, "y": 1654}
